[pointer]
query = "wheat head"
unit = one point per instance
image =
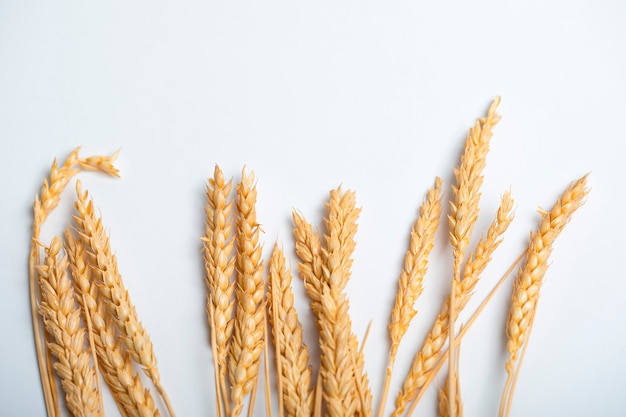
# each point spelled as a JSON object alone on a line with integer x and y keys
{"x": 61, "y": 319}
{"x": 219, "y": 262}
{"x": 295, "y": 372}
{"x": 530, "y": 276}
{"x": 247, "y": 341}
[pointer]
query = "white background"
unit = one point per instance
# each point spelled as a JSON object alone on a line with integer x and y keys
{"x": 377, "y": 96}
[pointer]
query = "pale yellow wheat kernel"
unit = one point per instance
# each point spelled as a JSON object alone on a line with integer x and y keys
{"x": 295, "y": 371}
{"x": 219, "y": 265}
{"x": 247, "y": 340}
{"x": 113, "y": 292}
{"x": 61, "y": 319}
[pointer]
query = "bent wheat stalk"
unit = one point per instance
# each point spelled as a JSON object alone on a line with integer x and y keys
{"x": 45, "y": 202}
{"x": 531, "y": 274}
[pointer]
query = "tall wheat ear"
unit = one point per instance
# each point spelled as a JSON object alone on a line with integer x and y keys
{"x": 61, "y": 319}
{"x": 530, "y": 278}
{"x": 248, "y": 334}
{"x": 410, "y": 283}
{"x": 219, "y": 264}
{"x": 132, "y": 399}
{"x": 45, "y": 202}
{"x": 113, "y": 292}
{"x": 294, "y": 373}
{"x": 463, "y": 215}
{"x": 346, "y": 388}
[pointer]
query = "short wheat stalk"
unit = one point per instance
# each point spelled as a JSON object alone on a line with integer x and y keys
{"x": 530, "y": 276}
{"x": 113, "y": 292}
{"x": 410, "y": 284}
{"x": 247, "y": 341}
{"x": 294, "y": 372}
{"x": 61, "y": 319}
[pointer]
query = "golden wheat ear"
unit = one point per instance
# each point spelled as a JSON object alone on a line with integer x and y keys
{"x": 61, "y": 317}
{"x": 294, "y": 372}
{"x": 219, "y": 262}
{"x": 249, "y": 326}
{"x": 114, "y": 295}
{"x": 530, "y": 278}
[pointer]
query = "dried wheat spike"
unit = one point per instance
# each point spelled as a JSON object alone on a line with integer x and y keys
{"x": 410, "y": 283}
{"x": 113, "y": 292}
{"x": 346, "y": 389}
{"x": 466, "y": 194}
{"x": 427, "y": 357}
{"x": 126, "y": 387}
{"x": 219, "y": 264}
{"x": 293, "y": 368}
{"x": 45, "y": 202}
{"x": 247, "y": 340}
{"x": 444, "y": 402}
{"x": 61, "y": 319}
{"x": 530, "y": 276}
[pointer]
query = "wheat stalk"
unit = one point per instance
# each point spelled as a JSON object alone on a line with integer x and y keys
{"x": 219, "y": 265}
{"x": 61, "y": 319}
{"x": 113, "y": 292}
{"x": 426, "y": 358}
{"x": 294, "y": 371}
{"x": 410, "y": 283}
{"x": 464, "y": 213}
{"x": 444, "y": 401}
{"x": 247, "y": 341}
{"x": 45, "y": 202}
{"x": 530, "y": 276}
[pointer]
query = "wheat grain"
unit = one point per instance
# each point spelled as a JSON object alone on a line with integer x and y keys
{"x": 444, "y": 401}
{"x": 247, "y": 340}
{"x": 219, "y": 265}
{"x": 295, "y": 372}
{"x": 531, "y": 273}
{"x": 61, "y": 319}
{"x": 113, "y": 292}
